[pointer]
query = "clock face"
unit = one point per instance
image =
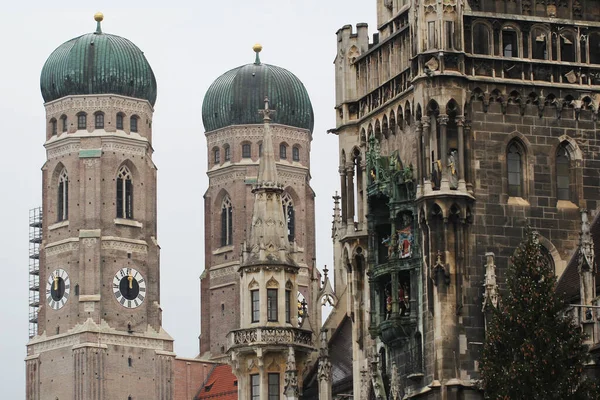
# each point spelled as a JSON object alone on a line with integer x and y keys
{"x": 58, "y": 288}
{"x": 129, "y": 287}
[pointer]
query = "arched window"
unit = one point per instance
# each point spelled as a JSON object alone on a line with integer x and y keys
{"x": 63, "y": 196}
{"x": 246, "y": 150}
{"x": 567, "y": 46}
{"x": 124, "y": 193}
{"x": 133, "y": 123}
{"x": 539, "y": 44}
{"x": 481, "y": 39}
{"x": 227, "y": 151}
{"x": 510, "y": 42}
{"x": 217, "y": 156}
{"x": 53, "y": 127}
{"x": 295, "y": 153}
{"x": 64, "y": 123}
{"x": 226, "y": 222}
{"x": 563, "y": 172}
{"x": 120, "y": 121}
{"x": 282, "y": 151}
{"x": 289, "y": 214}
{"x": 99, "y": 120}
{"x": 82, "y": 120}
{"x": 514, "y": 159}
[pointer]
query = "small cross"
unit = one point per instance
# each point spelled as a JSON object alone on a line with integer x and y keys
{"x": 267, "y": 111}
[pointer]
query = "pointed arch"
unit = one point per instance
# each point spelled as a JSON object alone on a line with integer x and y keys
{"x": 392, "y": 122}
{"x": 62, "y": 201}
{"x": 515, "y": 164}
{"x": 289, "y": 214}
{"x": 124, "y": 200}
{"x": 226, "y": 221}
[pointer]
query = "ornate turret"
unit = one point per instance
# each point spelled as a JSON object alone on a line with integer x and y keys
{"x": 270, "y": 350}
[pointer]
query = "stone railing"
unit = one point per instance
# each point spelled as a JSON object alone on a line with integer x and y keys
{"x": 265, "y": 336}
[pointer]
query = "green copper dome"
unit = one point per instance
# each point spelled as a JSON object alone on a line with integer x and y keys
{"x": 98, "y": 63}
{"x": 237, "y": 95}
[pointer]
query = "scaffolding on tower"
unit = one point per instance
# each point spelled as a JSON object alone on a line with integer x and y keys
{"x": 35, "y": 239}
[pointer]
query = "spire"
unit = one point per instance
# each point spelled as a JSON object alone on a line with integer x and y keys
{"x": 98, "y": 17}
{"x": 257, "y": 49}
{"x": 269, "y": 232}
{"x": 267, "y": 173}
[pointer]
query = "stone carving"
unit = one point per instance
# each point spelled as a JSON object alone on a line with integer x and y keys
{"x": 115, "y": 244}
{"x": 54, "y": 152}
{"x": 273, "y": 335}
{"x": 89, "y": 242}
{"x": 291, "y": 376}
{"x": 91, "y": 104}
{"x": 490, "y": 296}
{"x": 127, "y": 149}
{"x": 91, "y": 162}
{"x": 223, "y": 272}
{"x": 52, "y": 250}
{"x": 394, "y": 383}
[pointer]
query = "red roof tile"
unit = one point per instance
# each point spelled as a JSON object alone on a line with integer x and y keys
{"x": 221, "y": 384}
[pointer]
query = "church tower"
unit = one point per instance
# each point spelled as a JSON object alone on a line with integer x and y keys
{"x": 99, "y": 333}
{"x": 236, "y": 146}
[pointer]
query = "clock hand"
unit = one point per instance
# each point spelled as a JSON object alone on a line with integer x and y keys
{"x": 130, "y": 279}
{"x": 56, "y": 283}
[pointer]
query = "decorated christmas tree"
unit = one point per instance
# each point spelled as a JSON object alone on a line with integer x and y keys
{"x": 532, "y": 350}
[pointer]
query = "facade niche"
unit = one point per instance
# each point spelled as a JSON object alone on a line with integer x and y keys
{"x": 395, "y": 258}
{"x": 481, "y": 39}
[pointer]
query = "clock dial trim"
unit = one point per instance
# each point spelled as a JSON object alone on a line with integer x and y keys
{"x": 129, "y": 287}
{"x": 58, "y": 289}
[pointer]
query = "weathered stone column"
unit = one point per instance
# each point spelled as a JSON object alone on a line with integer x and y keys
{"x": 443, "y": 121}
{"x": 460, "y": 122}
{"x": 291, "y": 376}
{"x": 427, "y": 170}
{"x": 324, "y": 372}
{"x": 420, "y": 156}
{"x": 342, "y": 171}
{"x": 350, "y": 194}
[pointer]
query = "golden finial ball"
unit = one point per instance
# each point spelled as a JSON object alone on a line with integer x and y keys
{"x": 257, "y": 48}
{"x": 98, "y": 16}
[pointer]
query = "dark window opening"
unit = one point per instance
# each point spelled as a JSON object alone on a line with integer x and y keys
{"x": 594, "y": 48}
{"x": 133, "y": 124}
{"x": 226, "y": 222}
{"x": 288, "y": 305}
{"x": 217, "y": 156}
{"x": 563, "y": 172}
{"x": 130, "y": 361}
{"x": 54, "y": 127}
{"x": 260, "y": 150}
{"x": 509, "y": 43}
{"x": 63, "y": 197}
{"x": 449, "y": 34}
{"x": 82, "y": 121}
{"x": 99, "y": 121}
{"x": 272, "y": 305}
{"x": 255, "y": 299}
{"x": 539, "y": 45}
{"x": 567, "y": 47}
{"x": 295, "y": 154}
{"x": 64, "y": 123}
{"x": 227, "y": 153}
{"x": 282, "y": 151}
{"x": 124, "y": 193}
{"x": 120, "y": 121}
{"x": 515, "y": 175}
{"x": 246, "y": 150}
{"x": 481, "y": 39}
{"x": 255, "y": 387}
{"x": 273, "y": 386}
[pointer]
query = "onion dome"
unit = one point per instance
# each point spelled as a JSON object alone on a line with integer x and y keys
{"x": 237, "y": 95}
{"x": 98, "y": 63}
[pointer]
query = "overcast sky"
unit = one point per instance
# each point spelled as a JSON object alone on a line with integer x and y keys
{"x": 188, "y": 45}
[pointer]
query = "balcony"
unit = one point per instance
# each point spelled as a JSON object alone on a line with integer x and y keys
{"x": 248, "y": 339}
